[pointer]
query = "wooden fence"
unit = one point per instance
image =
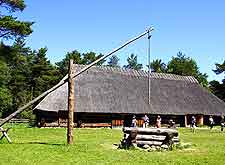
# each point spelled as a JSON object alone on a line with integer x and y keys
{"x": 15, "y": 120}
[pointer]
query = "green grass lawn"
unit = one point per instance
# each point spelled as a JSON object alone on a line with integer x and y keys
{"x": 95, "y": 146}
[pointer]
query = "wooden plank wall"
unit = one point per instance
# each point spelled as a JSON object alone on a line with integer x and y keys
{"x": 117, "y": 120}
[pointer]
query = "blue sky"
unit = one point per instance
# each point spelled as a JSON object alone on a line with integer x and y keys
{"x": 197, "y": 28}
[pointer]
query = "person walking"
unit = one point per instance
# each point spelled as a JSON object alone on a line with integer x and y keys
{"x": 158, "y": 122}
{"x": 211, "y": 122}
{"x": 134, "y": 121}
{"x": 146, "y": 121}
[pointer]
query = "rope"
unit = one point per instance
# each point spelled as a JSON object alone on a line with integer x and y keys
{"x": 149, "y": 68}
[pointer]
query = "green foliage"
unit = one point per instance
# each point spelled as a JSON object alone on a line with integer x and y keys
{"x": 5, "y": 52}
{"x": 5, "y": 100}
{"x": 216, "y": 87}
{"x": 13, "y": 5}
{"x": 158, "y": 66}
{"x": 64, "y": 63}
{"x": 113, "y": 61}
{"x": 182, "y": 65}
{"x": 91, "y": 57}
{"x": 186, "y": 66}
{"x": 19, "y": 69}
{"x": 202, "y": 79}
{"x": 43, "y": 75}
{"x": 84, "y": 59}
{"x": 220, "y": 68}
{"x": 28, "y": 114}
{"x": 132, "y": 63}
{"x": 5, "y": 95}
{"x": 24, "y": 74}
{"x": 11, "y": 27}
{"x": 4, "y": 74}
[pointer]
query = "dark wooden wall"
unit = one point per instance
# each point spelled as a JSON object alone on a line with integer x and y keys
{"x": 59, "y": 119}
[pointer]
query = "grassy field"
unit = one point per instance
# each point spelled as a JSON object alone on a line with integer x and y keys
{"x": 95, "y": 146}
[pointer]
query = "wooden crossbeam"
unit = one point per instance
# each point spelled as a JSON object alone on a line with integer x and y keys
{"x": 4, "y": 134}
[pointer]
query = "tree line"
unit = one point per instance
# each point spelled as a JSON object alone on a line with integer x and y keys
{"x": 26, "y": 73}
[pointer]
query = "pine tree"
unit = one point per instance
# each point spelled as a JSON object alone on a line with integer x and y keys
{"x": 43, "y": 74}
{"x": 186, "y": 66}
{"x": 158, "y": 66}
{"x": 5, "y": 95}
{"x": 132, "y": 63}
{"x": 63, "y": 64}
{"x": 91, "y": 57}
{"x": 10, "y": 26}
{"x": 84, "y": 59}
{"x": 19, "y": 69}
{"x": 216, "y": 87}
{"x": 113, "y": 61}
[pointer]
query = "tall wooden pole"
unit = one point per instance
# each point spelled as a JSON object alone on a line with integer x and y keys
{"x": 70, "y": 104}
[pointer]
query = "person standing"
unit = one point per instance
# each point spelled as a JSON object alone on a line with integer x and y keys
{"x": 222, "y": 123}
{"x": 134, "y": 121}
{"x": 158, "y": 122}
{"x": 146, "y": 121}
{"x": 171, "y": 124}
{"x": 211, "y": 122}
{"x": 193, "y": 123}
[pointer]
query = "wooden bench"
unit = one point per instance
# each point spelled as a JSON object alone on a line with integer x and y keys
{"x": 4, "y": 134}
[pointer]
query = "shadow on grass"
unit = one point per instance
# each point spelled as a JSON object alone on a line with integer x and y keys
{"x": 42, "y": 143}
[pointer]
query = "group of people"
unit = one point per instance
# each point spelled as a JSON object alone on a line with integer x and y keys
{"x": 211, "y": 123}
{"x": 172, "y": 123}
{"x": 146, "y": 121}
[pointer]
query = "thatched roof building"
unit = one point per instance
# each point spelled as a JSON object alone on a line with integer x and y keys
{"x": 108, "y": 90}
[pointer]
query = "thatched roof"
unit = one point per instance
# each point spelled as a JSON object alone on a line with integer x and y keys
{"x": 115, "y": 90}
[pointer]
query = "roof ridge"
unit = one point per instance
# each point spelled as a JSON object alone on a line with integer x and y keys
{"x": 139, "y": 73}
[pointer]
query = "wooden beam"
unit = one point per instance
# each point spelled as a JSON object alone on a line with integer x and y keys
{"x": 155, "y": 143}
{"x": 113, "y": 51}
{"x": 149, "y": 131}
{"x": 65, "y": 79}
{"x": 4, "y": 134}
{"x": 70, "y": 104}
{"x": 150, "y": 138}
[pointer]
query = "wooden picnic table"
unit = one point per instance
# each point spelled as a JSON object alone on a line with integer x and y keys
{"x": 4, "y": 134}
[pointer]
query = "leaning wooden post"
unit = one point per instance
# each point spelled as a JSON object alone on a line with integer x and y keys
{"x": 70, "y": 104}
{"x": 65, "y": 79}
